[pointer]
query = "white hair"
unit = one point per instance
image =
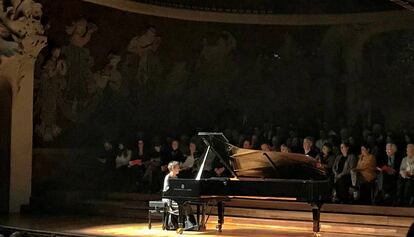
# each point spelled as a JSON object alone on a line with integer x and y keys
{"x": 172, "y": 164}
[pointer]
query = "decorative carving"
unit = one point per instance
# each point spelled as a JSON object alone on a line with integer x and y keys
{"x": 21, "y": 38}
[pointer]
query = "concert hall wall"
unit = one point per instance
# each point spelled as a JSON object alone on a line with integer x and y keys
{"x": 167, "y": 76}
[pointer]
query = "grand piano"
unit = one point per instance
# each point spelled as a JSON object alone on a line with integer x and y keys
{"x": 254, "y": 173}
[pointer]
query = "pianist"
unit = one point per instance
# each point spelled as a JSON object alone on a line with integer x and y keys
{"x": 172, "y": 206}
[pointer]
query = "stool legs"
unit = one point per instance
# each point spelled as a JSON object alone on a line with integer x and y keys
{"x": 149, "y": 219}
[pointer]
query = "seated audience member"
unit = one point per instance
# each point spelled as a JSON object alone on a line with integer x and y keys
{"x": 219, "y": 170}
{"x": 406, "y": 181}
{"x": 106, "y": 167}
{"x": 255, "y": 143}
{"x": 284, "y": 148}
{"x": 326, "y": 158}
{"x": 265, "y": 147}
{"x": 122, "y": 173}
{"x": 388, "y": 174}
{"x": 138, "y": 163}
{"x": 186, "y": 170}
{"x": 294, "y": 143}
{"x": 323, "y": 138}
{"x": 153, "y": 175}
{"x": 247, "y": 144}
{"x": 123, "y": 156}
{"x": 173, "y": 209}
{"x": 107, "y": 156}
{"x": 341, "y": 169}
{"x": 174, "y": 154}
{"x": 364, "y": 172}
{"x": 308, "y": 148}
{"x": 275, "y": 143}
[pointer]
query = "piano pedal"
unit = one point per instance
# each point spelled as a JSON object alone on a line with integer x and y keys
{"x": 179, "y": 230}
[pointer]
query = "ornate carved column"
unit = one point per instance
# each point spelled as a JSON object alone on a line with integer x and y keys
{"x": 20, "y": 43}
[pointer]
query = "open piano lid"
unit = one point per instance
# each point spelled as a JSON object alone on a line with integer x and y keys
{"x": 248, "y": 163}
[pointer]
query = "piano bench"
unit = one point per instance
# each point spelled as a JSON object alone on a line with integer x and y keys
{"x": 157, "y": 208}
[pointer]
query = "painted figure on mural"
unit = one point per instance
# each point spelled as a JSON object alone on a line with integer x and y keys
{"x": 216, "y": 65}
{"x": 79, "y": 62}
{"x": 50, "y": 93}
{"x": 109, "y": 75}
{"x": 143, "y": 67}
{"x": 217, "y": 53}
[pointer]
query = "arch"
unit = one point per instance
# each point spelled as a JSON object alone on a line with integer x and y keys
{"x": 5, "y": 131}
{"x": 253, "y": 18}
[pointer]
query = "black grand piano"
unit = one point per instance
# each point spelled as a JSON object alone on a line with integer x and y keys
{"x": 254, "y": 173}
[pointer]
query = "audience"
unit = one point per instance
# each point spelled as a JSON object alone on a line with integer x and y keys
{"x": 341, "y": 169}
{"x": 284, "y": 148}
{"x": 406, "y": 181}
{"x": 186, "y": 168}
{"x": 326, "y": 158}
{"x": 388, "y": 174}
{"x": 364, "y": 172}
{"x": 308, "y": 148}
{"x": 353, "y": 176}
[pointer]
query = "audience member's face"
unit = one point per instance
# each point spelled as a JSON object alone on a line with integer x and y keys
{"x": 344, "y": 150}
{"x": 307, "y": 144}
{"x": 326, "y": 150}
{"x": 140, "y": 143}
{"x": 246, "y": 144}
{"x": 265, "y": 147}
{"x": 410, "y": 150}
{"x": 390, "y": 150}
{"x": 157, "y": 148}
{"x": 364, "y": 151}
{"x": 107, "y": 146}
{"x": 121, "y": 146}
{"x": 175, "y": 145}
{"x": 193, "y": 147}
{"x": 284, "y": 149}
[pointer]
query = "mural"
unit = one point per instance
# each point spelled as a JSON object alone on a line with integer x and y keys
{"x": 123, "y": 73}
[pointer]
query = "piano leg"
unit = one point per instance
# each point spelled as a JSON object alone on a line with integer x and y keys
{"x": 198, "y": 215}
{"x": 203, "y": 217}
{"x": 316, "y": 215}
{"x": 181, "y": 218}
{"x": 220, "y": 214}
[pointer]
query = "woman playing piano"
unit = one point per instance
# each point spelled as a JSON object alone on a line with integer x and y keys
{"x": 172, "y": 206}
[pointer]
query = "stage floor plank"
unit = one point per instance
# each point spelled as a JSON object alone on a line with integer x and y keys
{"x": 245, "y": 227}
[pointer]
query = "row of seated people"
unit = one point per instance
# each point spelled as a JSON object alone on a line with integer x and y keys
{"x": 385, "y": 180}
{"x": 146, "y": 169}
{"x": 390, "y": 178}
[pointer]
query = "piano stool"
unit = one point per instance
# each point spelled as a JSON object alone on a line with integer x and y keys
{"x": 157, "y": 208}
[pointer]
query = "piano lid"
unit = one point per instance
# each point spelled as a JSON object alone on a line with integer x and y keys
{"x": 260, "y": 164}
{"x": 271, "y": 164}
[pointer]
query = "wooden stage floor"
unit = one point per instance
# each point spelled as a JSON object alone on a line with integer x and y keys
{"x": 233, "y": 226}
